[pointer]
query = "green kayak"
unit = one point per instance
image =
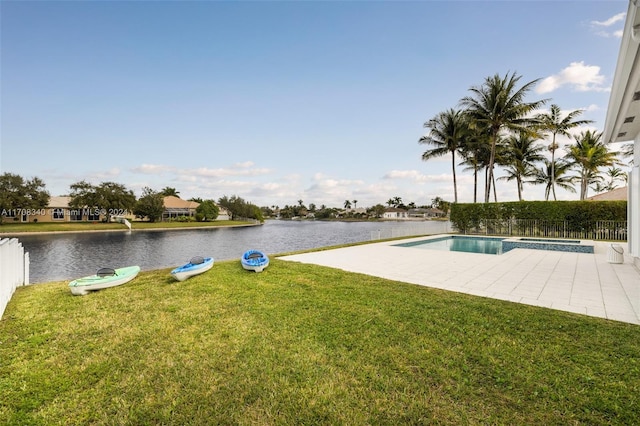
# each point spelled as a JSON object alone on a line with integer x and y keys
{"x": 104, "y": 278}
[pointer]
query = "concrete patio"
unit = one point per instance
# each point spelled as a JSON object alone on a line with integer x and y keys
{"x": 575, "y": 282}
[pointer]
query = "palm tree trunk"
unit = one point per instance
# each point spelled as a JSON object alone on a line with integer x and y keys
{"x": 487, "y": 188}
{"x": 455, "y": 183}
{"x": 475, "y": 184}
{"x": 519, "y": 182}
{"x": 547, "y": 191}
{"x": 486, "y": 183}
{"x": 492, "y": 160}
{"x": 553, "y": 167}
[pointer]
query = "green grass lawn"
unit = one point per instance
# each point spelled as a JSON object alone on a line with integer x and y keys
{"x": 8, "y": 228}
{"x": 304, "y": 344}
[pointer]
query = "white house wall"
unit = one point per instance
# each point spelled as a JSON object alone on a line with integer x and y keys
{"x": 633, "y": 206}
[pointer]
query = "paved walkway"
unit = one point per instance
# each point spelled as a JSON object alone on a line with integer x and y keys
{"x": 576, "y": 282}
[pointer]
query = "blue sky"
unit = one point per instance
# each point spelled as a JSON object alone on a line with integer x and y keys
{"x": 280, "y": 101}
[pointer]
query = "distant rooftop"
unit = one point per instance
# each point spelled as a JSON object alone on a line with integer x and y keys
{"x": 618, "y": 194}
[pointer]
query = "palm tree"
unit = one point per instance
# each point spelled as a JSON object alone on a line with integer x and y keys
{"x": 562, "y": 179}
{"x": 589, "y": 154}
{"x": 167, "y": 191}
{"x": 394, "y": 202}
{"x": 355, "y": 204}
{"x": 347, "y": 204}
{"x": 498, "y": 105}
{"x": 521, "y": 153}
{"x": 553, "y": 122}
{"x": 448, "y": 130}
{"x": 614, "y": 174}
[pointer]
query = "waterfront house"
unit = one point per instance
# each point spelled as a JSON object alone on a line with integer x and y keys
{"x": 395, "y": 213}
{"x": 175, "y": 207}
{"x": 422, "y": 213}
{"x": 623, "y": 118}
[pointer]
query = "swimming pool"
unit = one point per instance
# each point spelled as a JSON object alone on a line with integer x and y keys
{"x": 496, "y": 245}
{"x": 484, "y": 245}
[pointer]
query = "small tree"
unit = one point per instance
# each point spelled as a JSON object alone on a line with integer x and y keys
{"x": 377, "y": 210}
{"x": 115, "y": 198}
{"x": 239, "y": 208}
{"x": 440, "y": 204}
{"x": 207, "y": 210}
{"x": 150, "y": 205}
{"x": 17, "y": 193}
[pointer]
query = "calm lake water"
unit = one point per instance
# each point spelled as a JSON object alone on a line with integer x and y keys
{"x": 71, "y": 255}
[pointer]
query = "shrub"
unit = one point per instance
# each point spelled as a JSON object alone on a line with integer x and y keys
{"x": 579, "y": 215}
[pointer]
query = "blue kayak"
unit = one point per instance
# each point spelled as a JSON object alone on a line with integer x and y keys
{"x": 254, "y": 260}
{"x": 196, "y": 265}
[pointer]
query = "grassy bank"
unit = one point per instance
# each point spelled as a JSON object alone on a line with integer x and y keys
{"x": 14, "y": 228}
{"x": 304, "y": 344}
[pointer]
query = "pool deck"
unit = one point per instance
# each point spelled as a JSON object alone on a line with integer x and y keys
{"x": 575, "y": 282}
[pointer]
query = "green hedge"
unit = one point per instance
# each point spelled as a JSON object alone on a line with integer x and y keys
{"x": 577, "y": 214}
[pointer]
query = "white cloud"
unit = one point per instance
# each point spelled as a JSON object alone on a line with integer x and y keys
{"x": 601, "y": 28}
{"x": 238, "y": 169}
{"x": 333, "y": 191}
{"x": 580, "y": 77}
{"x": 227, "y": 171}
{"x": 610, "y": 21}
{"x": 418, "y": 177}
{"x": 107, "y": 174}
{"x": 152, "y": 169}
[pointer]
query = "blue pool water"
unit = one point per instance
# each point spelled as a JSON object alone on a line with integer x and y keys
{"x": 482, "y": 245}
{"x": 494, "y": 245}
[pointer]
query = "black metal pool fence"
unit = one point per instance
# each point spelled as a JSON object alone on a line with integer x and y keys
{"x": 609, "y": 230}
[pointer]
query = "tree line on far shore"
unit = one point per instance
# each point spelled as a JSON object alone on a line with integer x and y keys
{"x": 17, "y": 192}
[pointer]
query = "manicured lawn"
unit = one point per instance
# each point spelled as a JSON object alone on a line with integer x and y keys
{"x": 304, "y": 344}
{"x": 8, "y": 228}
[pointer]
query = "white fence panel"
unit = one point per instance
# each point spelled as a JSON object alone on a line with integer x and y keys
{"x": 14, "y": 269}
{"x": 410, "y": 229}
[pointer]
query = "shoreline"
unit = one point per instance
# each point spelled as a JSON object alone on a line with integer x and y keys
{"x": 186, "y": 228}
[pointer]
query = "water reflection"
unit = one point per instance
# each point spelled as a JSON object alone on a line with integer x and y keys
{"x": 68, "y": 256}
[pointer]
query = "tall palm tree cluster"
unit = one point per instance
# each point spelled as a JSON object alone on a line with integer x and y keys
{"x": 496, "y": 126}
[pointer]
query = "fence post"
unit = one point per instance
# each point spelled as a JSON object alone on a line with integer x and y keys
{"x": 27, "y": 263}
